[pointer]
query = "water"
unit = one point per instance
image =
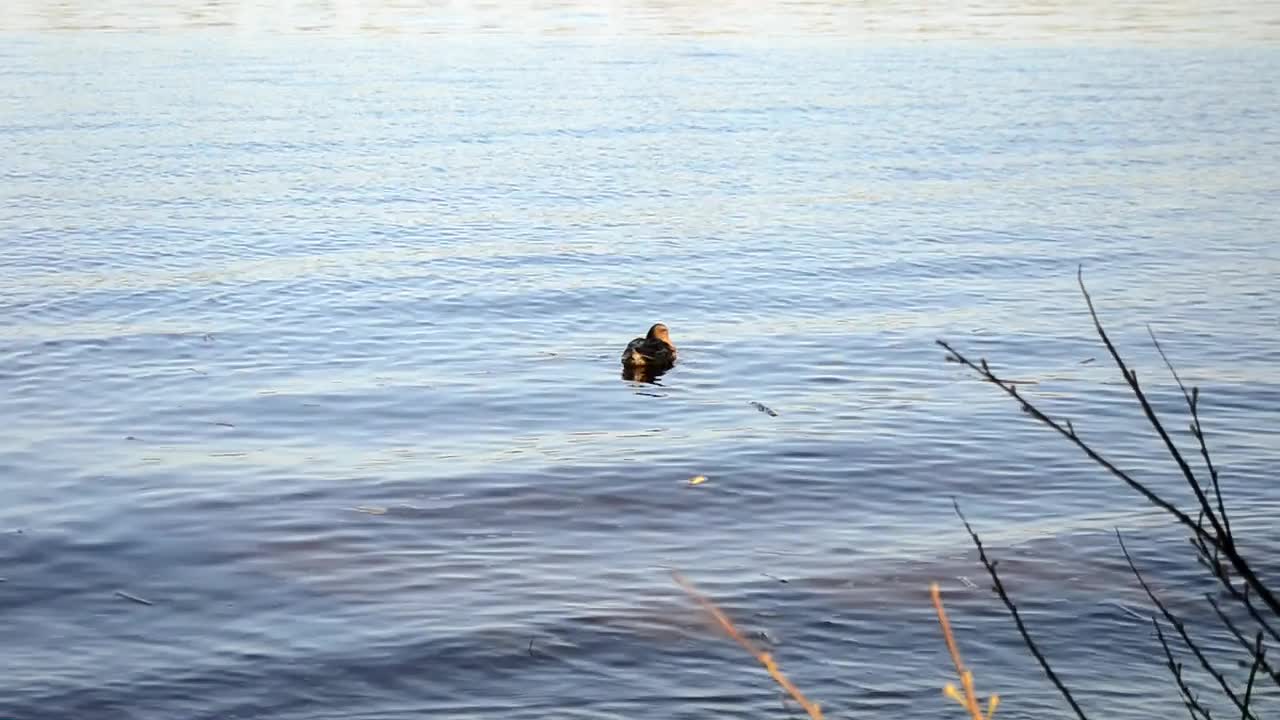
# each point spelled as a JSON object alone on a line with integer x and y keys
{"x": 312, "y": 343}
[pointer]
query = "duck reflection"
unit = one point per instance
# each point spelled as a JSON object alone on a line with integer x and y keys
{"x": 642, "y": 374}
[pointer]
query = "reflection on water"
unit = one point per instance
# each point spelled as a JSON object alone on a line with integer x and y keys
{"x": 642, "y": 374}
{"x": 1004, "y": 21}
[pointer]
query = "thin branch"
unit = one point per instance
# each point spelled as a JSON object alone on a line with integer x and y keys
{"x": 1211, "y": 559}
{"x": 990, "y": 565}
{"x": 1253, "y": 672}
{"x": 1178, "y": 625}
{"x": 1226, "y": 543}
{"x": 1219, "y": 539}
{"x": 1069, "y": 433}
{"x": 1131, "y": 378}
{"x": 1243, "y": 599}
{"x": 1175, "y": 669}
{"x": 1193, "y": 404}
{"x": 1257, "y": 658}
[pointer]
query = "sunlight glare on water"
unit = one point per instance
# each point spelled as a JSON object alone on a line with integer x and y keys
{"x": 1178, "y": 22}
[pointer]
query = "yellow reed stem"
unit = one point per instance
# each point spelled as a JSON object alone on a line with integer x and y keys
{"x": 969, "y": 699}
{"x": 764, "y": 658}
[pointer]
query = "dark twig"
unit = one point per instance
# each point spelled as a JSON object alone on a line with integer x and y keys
{"x": 1210, "y": 558}
{"x": 1131, "y": 378}
{"x": 1069, "y": 433}
{"x": 1208, "y": 523}
{"x": 990, "y": 565}
{"x": 1175, "y": 669}
{"x": 1258, "y": 652}
{"x": 1244, "y": 643}
{"x": 1242, "y": 597}
{"x": 1224, "y": 541}
{"x": 1220, "y": 540}
{"x": 1178, "y": 625}
{"x": 1192, "y": 399}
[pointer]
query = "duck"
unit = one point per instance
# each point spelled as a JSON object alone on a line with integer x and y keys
{"x": 654, "y": 352}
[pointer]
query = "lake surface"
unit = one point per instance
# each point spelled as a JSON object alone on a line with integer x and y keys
{"x": 312, "y": 342}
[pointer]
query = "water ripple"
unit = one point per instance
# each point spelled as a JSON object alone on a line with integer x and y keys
{"x": 314, "y": 346}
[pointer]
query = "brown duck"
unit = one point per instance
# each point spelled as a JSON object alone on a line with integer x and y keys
{"x": 651, "y": 353}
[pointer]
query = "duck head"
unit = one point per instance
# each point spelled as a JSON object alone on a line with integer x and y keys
{"x": 659, "y": 333}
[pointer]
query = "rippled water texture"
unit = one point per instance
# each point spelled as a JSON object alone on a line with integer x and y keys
{"x": 1128, "y": 22}
{"x": 312, "y": 343}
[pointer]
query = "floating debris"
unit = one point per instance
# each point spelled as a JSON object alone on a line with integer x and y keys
{"x": 697, "y": 479}
{"x": 764, "y": 408}
{"x": 134, "y": 598}
{"x": 369, "y": 510}
{"x": 775, "y": 577}
{"x": 224, "y": 424}
{"x": 967, "y": 582}
{"x": 1086, "y": 361}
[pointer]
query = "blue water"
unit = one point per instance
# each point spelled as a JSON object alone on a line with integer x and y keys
{"x": 313, "y": 343}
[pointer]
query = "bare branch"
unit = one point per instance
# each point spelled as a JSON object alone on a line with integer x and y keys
{"x": 1257, "y": 658}
{"x": 1193, "y": 404}
{"x": 1178, "y": 625}
{"x": 1175, "y": 669}
{"x": 1253, "y": 672}
{"x": 1243, "y": 598}
{"x": 1017, "y": 619}
{"x": 1070, "y": 434}
{"x": 1131, "y": 377}
{"x": 1219, "y": 539}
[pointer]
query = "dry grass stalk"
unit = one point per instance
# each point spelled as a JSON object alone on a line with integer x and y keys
{"x": 765, "y": 659}
{"x": 969, "y": 699}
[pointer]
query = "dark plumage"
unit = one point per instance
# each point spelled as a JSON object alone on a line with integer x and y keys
{"x": 653, "y": 352}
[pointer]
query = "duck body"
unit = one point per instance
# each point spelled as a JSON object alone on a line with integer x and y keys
{"x": 653, "y": 352}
